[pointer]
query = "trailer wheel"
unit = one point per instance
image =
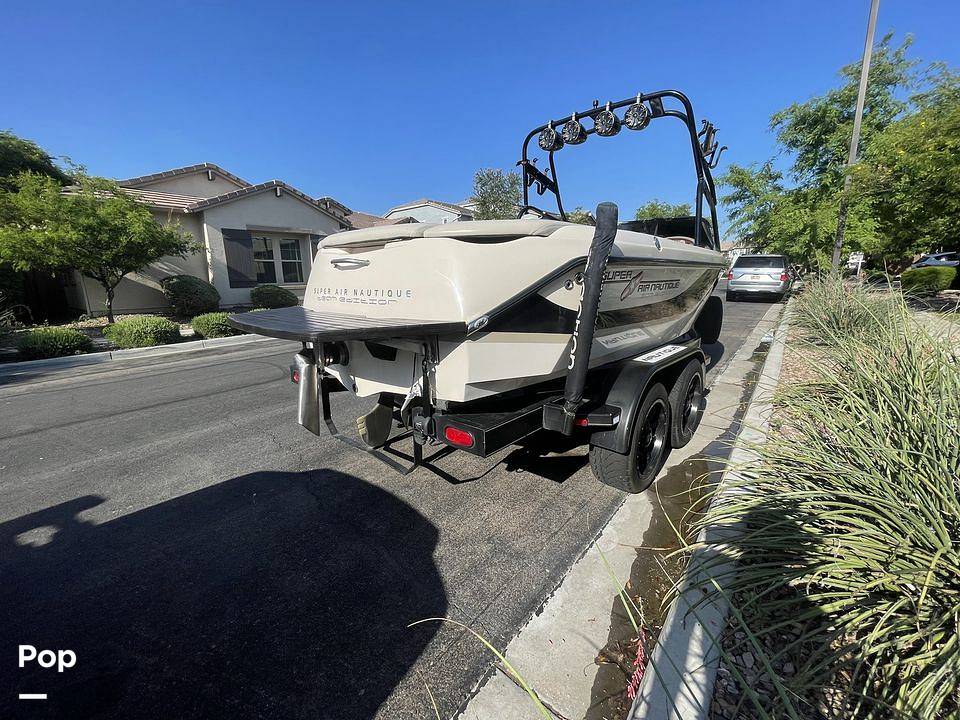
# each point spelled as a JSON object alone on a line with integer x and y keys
{"x": 686, "y": 403}
{"x": 710, "y": 320}
{"x": 649, "y": 444}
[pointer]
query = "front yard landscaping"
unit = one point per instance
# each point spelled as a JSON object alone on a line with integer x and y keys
{"x": 845, "y": 529}
{"x": 85, "y": 335}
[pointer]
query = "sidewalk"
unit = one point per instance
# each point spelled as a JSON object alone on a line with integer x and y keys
{"x": 11, "y": 371}
{"x": 556, "y": 649}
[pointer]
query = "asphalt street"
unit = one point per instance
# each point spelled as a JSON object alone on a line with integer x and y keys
{"x": 204, "y": 557}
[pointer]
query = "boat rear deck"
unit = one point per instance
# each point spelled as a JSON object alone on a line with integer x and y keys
{"x": 300, "y": 323}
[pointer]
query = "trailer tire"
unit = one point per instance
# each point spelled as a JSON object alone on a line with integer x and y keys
{"x": 686, "y": 403}
{"x": 710, "y": 320}
{"x": 636, "y": 470}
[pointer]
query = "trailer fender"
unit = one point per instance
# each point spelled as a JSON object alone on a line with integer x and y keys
{"x": 625, "y": 388}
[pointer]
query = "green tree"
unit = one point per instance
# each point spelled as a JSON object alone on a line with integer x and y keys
{"x": 660, "y": 209}
{"x": 497, "y": 194}
{"x": 816, "y": 133}
{"x": 798, "y": 221}
{"x": 581, "y": 216}
{"x": 95, "y": 228}
{"x": 800, "y": 217}
{"x": 910, "y": 176}
{"x": 753, "y": 195}
{"x": 18, "y": 155}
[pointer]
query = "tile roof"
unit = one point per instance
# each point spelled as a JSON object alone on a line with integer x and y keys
{"x": 459, "y": 209}
{"x": 336, "y": 207}
{"x": 163, "y": 200}
{"x": 361, "y": 220}
{"x": 253, "y": 190}
{"x": 143, "y": 179}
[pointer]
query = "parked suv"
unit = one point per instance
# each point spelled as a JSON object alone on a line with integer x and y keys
{"x": 759, "y": 275}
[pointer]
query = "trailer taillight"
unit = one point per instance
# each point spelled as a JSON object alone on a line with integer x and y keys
{"x": 458, "y": 437}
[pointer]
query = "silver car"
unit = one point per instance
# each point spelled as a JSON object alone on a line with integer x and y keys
{"x": 759, "y": 275}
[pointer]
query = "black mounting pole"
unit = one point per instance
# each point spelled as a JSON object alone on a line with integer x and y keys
{"x": 583, "y": 329}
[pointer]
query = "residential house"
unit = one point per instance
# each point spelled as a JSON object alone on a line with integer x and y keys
{"x": 360, "y": 220}
{"x": 732, "y": 249}
{"x": 430, "y": 211}
{"x": 250, "y": 235}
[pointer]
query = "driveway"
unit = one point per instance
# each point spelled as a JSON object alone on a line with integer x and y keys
{"x": 203, "y": 556}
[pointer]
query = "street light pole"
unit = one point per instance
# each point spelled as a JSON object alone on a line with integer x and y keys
{"x": 855, "y": 139}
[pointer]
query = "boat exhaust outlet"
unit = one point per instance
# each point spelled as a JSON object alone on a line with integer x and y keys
{"x": 308, "y": 387}
{"x": 586, "y": 322}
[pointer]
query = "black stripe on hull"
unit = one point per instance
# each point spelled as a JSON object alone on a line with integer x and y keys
{"x": 537, "y": 314}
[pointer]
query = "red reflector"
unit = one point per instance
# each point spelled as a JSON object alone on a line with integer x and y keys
{"x": 295, "y": 376}
{"x": 784, "y": 277}
{"x": 730, "y": 275}
{"x": 582, "y": 422}
{"x": 458, "y": 437}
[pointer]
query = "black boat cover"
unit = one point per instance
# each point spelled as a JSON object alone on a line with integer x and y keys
{"x": 299, "y": 323}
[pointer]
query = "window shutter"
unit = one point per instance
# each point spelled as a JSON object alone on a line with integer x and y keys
{"x": 238, "y": 249}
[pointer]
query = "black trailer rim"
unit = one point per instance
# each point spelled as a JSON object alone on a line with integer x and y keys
{"x": 692, "y": 404}
{"x": 652, "y": 438}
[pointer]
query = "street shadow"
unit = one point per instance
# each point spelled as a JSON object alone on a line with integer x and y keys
{"x": 550, "y": 456}
{"x": 274, "y": 594}
{"x": 714, "y": 353}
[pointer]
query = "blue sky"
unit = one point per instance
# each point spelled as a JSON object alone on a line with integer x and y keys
{"x": 380, "y": 103}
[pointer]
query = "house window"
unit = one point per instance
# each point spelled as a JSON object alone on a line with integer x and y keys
{"x": 263, "y": 260}
{"x": 278, "y": 259}
{"x": 290, "y": 261}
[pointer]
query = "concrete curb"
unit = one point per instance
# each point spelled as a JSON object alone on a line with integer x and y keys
{"x": 110, "y": 355}
{"x": 680, "y": 678}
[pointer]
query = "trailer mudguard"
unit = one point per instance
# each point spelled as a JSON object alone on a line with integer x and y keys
{"x": 625, "y": 388}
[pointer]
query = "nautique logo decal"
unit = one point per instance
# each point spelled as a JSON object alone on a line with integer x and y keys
{"x": 363, "y": 296}
{"x": 634, "y": 284}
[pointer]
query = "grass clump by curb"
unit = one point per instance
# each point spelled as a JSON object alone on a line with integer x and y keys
{"x": 50, "y": 342}
{"x": 846, "y": 526}
{"x": 213, "y": 325}
{"x": 830, "y": 312}
{"x": 142, "y": 331}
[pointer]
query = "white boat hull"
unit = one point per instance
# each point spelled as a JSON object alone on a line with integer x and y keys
{"x": 653, "y": 291}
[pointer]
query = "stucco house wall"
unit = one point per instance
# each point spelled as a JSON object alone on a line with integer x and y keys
{"x": 430, "y": 211}
{"x": 285, "y": 215}
{"x": 203, "y": 200}
{"x": 195, "y": 184}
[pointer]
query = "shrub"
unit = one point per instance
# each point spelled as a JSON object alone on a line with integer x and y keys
{"x": 142, "y": 331}
{"x": 272, "y": 296}
{"x": 846, "y": 528}
{"x": 49, "y": 342}
{"x": 213, "y": 325}
{"x": 190, "y": 295}
{"x": 829, "y": 310}
{"x": 927, "y": 280}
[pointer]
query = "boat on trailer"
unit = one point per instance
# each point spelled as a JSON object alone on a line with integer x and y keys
{"x": 475, "y": 335}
